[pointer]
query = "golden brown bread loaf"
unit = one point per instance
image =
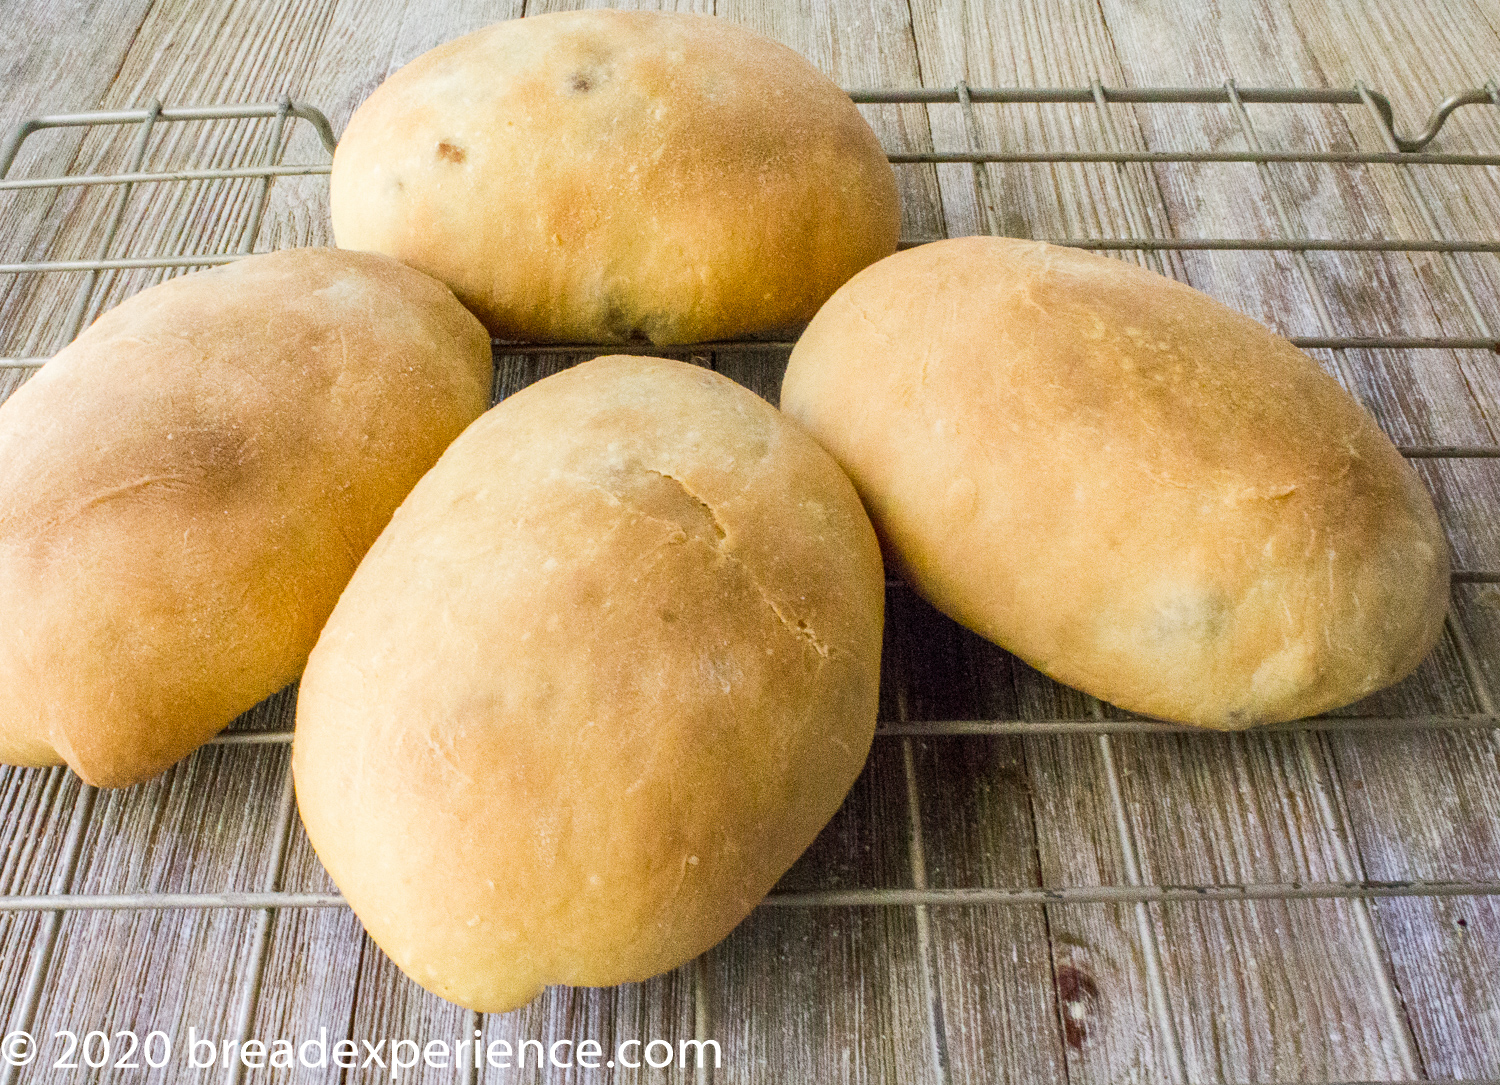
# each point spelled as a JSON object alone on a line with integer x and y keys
{"x": 185, "y": 490}
{"x": 609, "y": 670}
{"x": 1137, "y": 490}
{"x": 596, "y": 176}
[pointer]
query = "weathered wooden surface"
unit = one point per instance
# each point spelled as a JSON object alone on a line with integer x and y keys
{"x": 1266, "y": 991}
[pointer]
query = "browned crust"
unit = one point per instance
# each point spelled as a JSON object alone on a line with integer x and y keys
{"x": 186, "y": 488}
{"x": 594, "y": 176}
{"x": 610, "y": 669}
{"x": 1136, "y": 489}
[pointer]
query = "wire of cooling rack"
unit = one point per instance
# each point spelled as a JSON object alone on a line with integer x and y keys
{"x": 1405, "y": 151}
{"x": 1309, "y": 736}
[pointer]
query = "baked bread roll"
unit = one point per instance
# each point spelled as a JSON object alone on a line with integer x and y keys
{"x": 185, "y": 490}
{"x": 1137, "y": 490}
{"x": 595, "y": 176}
{"x": 607, "y": 673}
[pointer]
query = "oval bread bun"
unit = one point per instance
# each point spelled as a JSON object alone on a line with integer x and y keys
{"x": 1137, "y": 490}
{"x": 602, "y": 175}
{"x": 185, "y": 490}
{"x": 607, "y": 673}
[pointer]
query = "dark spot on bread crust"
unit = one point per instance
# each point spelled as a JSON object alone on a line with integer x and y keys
{"x": 449, "y": 151}
{"x": 618, "y": 321}
{"x": 581, "y": 83}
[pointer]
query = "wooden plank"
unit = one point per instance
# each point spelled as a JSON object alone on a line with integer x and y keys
{"x": 1099, "y": 982}
{"x": 364, "y": 44}
{"x": 36, "y": 806}
{"x": 307, "y": 991}
{"x": 865, "y": 845}
{"x": 658, "y": 1011}
{"x": 978, "y": 996}
{"x": 169, "y": 835}
{"x": 55, "y": 58}
{"x": 1436, "y": 687}
{"x": 387, "y": 1004}
{"x": 144, "y": 971}
{"x": 20, "y": 935}
{"x": 35, "y": 809}
{"x": 1445, "y": 959}
{"x": 1467, "y": 493}
{"x": 182, "y": 54}
{"x": 312, "y": 967}
{"x": 811, "y": 1019}
{"x": 1445, "y": 48}
{"x": 803, "y": 994}
{"x": 1236, "y": 809}
{"x": 1019, "y": 992}
{"x": 941, "y": 672}
{"x": 862, "y": 45}
{"x": 1426, "y": 805}
{"x": 1477, "y": 610}
{"x": 995, "y": 966}
{"x": 297, "y": 210}
{"x": 1410, "y": 400}
{"x": 1417, "y": 396}
{"x": 1096, "y": 949}
{"x": 1420, "y": 810}
{"x": 1444, "y": 973}
{"x": 1033, "y": 44}
{"x": 186, "y": 831}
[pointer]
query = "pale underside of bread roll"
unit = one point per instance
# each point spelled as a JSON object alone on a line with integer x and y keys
{"x": 607, "y": 673}
{"x": 597, "y": 176}
{"x": 185, "y": 490}
{"x": 1137, "y": 490}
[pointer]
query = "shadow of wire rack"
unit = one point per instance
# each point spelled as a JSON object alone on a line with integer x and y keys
{"x": 932, "y": 777}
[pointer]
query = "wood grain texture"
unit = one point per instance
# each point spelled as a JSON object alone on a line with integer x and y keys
{"x": 1410, "y": 400}
{"x": 200, "y": 827}
{"x": 1263, "y": 991}
{"x": 38, "y": 804}
{"x": 821, "y": 995}
{"x": 1417, "y": 396}
{"x": 363, "y": 44}
{"x": 1301, "y": 963}
{"x": 563, "y": 1019}
{"x": 387, "y": 1005}
{"x": 1002, "y": 1020}
{"x": 1118, "y": 202}
{"x": 1419, "y": 806}
{"x": 311, "y": 979}
{"x": 55, "y": 58}
{"x": 182, "y": 54}
{"x": 36, "y": 808}
{"x": 1099, "y": 946}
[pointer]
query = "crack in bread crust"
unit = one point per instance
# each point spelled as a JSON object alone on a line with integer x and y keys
{"x": 795, "y": 625}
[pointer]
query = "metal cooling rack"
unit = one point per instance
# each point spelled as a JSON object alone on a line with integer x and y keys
{"x": 1400, "y": 151}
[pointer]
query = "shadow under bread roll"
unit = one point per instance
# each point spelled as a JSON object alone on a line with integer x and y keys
{"x": 1137, "y": 490}
{"x": 605, "y": 676}
{"x": 187, "y": 487}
